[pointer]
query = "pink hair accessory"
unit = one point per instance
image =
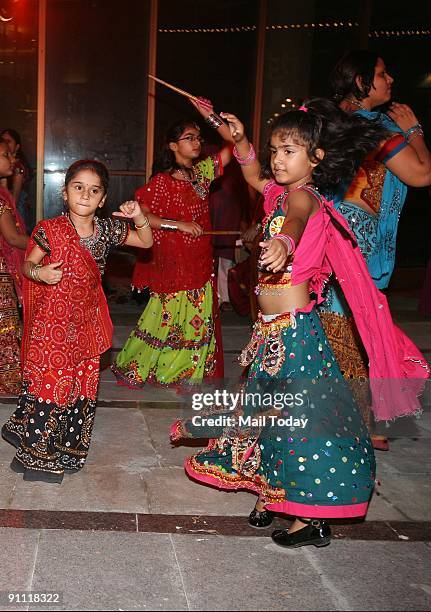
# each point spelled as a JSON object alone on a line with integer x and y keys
{"x": 303, "y": 108}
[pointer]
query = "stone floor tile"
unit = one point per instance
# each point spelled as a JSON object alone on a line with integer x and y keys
{"x": 406, "y": 456}
{"x": 170, "y": 491}
{"x": 222, "y": 573}
{"x": 94, "y": 489}
{"x": 17, "y": 558}
{"x": 120, "y": 439}
{"x": 376, "y": 575}
{"x": 410, "y": 494}
{"x": 110, "y": 571}
{"x": 8, "y": 482}
{"x": 159, "y": 423}
{"x": 381, "y": 509}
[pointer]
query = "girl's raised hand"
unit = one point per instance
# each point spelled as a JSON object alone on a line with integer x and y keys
{"x": 129, "y": 210}
{"x": 50, "y": 274}
{"x": 235, "y": 126}
{"x": 203, "y": 106}
{"x": 274, "y": 255}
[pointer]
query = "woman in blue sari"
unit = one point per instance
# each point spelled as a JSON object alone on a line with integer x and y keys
{"x": 373, "y": 202}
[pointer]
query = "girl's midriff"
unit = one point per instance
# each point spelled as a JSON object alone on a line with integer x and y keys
{"x": 288, "y": 299}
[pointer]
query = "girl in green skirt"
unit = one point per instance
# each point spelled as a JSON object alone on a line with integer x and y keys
{"x": 178, "y": 338}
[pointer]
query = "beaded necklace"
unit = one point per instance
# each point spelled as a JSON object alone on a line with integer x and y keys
{"x": 199, "y": 188}
{"x": 355, "y": 103}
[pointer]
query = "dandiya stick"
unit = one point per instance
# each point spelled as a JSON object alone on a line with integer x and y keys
{"x": 223, "y": 233}
{"x": 177, "y": 89}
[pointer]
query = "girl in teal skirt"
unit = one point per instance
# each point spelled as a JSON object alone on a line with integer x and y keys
{"x": 306, "y": 452}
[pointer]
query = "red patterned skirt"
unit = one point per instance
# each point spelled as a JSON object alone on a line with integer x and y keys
{"x": 51, "y": 427}
{"x": 10, "y": 334}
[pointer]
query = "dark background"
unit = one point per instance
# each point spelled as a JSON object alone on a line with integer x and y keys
{"x": 97, "y": 56}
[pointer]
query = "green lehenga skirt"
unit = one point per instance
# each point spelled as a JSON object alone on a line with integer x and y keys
{"x": 175, "y": 341}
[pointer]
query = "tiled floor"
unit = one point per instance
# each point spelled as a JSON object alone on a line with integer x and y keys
{"x": 131, "y": 532}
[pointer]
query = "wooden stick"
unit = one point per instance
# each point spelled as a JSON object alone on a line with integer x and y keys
{"x": 177, "y": 89}
{"x": 222, "y": 233}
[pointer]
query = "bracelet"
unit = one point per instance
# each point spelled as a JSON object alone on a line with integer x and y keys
{"x": 287, "y": 241}
{"x": 214, "y": 121}
{"x": 169, "y": 227}
{"x": 416, "y": 132}
{"x": 245, "y": 161}
{"x": 145, "y": 224}
{"x": 34, "y": 273}
{"x": 415, "y": 128}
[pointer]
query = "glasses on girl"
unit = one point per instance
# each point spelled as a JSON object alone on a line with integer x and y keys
{"x": 191, "y": 138}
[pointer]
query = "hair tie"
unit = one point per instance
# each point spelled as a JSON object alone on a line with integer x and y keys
{"x": 303, "y": 108}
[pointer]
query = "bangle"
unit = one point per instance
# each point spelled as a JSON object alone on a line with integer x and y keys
{"x": 413, "y": 134}
{"x": 415, "y": 128}
{"x": 288, "y": 241}
{"x": 245, "y": 161}
{"x": 145, "y": 224}
{"x": 168, "y": 226}
{"x": 34, "y": 273}
{"x": 214, "y": 121}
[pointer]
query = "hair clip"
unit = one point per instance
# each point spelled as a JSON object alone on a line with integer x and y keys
{"x": 303, "y": 108}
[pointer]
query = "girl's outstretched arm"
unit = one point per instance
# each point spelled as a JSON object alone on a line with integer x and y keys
{"x": 247, "y": 159}
{"x": 205, "y": 108}
{"x": 142, "y": 235}
{"x": 171, "y": 225}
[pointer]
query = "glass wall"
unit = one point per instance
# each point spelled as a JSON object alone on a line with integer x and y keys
{"x": 97, "y": 65}
{"x": 18, "y": 78}
{"x": 96, "y": 92}
{"x": 202, "y": 49}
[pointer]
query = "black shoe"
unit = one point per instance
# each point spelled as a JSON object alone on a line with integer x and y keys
{"x": 260, "y": 519}
{"x": 17, "y": 466}
{"x": 72, "y": 470}
{"x": 39, "y": 476}
{"x": 317, "y": 533}
{"x": 10, "y": 437}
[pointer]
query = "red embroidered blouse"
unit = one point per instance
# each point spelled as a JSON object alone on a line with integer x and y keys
{"x": 177, "y": 261}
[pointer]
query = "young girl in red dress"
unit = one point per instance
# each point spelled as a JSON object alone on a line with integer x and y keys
{"x": 67, "y": 325}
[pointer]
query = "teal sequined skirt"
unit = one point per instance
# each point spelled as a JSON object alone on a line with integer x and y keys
{"x": 305, "y": 450}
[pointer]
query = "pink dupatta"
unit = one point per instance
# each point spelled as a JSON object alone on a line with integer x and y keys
{"x": 397, "y": 369}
